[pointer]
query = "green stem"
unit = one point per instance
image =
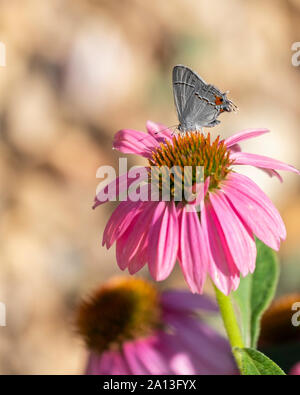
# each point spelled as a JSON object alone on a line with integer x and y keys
{"x": 230, "y": 323}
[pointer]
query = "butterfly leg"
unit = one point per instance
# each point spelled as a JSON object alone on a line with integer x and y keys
{"x": 213, "y": 123}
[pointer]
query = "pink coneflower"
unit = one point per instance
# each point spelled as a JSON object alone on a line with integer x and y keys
{"x": 130, "y": 328}
{"x": 220, "y": 239}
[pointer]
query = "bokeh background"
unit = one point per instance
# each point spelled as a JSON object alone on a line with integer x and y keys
{"x": 76, "y": 72}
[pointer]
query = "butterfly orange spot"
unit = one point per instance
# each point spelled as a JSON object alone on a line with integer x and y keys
{"x": 218, "y": 100}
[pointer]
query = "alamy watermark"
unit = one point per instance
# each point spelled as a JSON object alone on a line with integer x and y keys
{"x": 2, "y": 314}
{"x": 296, "y": 316}
{"x": 296, "y": 56}
{"x": 155, "y": 183}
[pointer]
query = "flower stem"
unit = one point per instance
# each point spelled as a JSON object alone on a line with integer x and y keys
{"x": 230, "y": 323}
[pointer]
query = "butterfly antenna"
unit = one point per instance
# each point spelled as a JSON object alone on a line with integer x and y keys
{"x": 160, "y": 131}
{"x": 233, "y": 106}
{"x": 169, "y": 127}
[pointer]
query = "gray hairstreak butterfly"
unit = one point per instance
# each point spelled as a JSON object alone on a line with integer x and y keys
{"x": 198, "y": 104}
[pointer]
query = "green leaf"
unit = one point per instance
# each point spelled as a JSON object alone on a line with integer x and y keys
{"x": 256, "y": 292}
{"x": 255, "y": 363}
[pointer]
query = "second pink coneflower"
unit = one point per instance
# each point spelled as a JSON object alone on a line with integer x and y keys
{"x": 130, "y": 328}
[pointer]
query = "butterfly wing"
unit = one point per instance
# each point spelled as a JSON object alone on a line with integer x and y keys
{"x": 198, "y": 104}
{"x": 214, "y": 96}
{"x": 199, "y": 113}
{"x": 184, "y": 84}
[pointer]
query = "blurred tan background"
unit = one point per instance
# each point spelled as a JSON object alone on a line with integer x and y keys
{"x": 76, "y": 72}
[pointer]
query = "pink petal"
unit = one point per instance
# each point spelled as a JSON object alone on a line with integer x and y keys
{"x": 253, "y": 201}
{"x": 139, "y": 260}
{"x": 120, "y": 366}
{"x": 100, "y": 364}
{"x": 193, "y": 254}
{"x": 159, "y": 131}
{"x": 295, "y": 371}
{"x": 119, "y": 221}
{"x": 122, "y": 183}
{"x": 151, "y": 358}
{"x": 244, "y": 135}
{"x": 132, "y": 360}
{"x": 163, "y": 241}
{"x": 246, "y": 186}
{"x": 185, "y": 301}
{"x": 120, "y": 245}
{"x": 255, "y": 217}
{"x": 134, "y": 250}
{"x": 272, "y": 173}
{"x": 239, "y": 240}
{"x": 221, "y": 268}
{"x": 231, "y": 143}
{"x": 179, "y": 359}
{"x": 133, "y": 142}
{"x": 93, "y": 363}
{"x": 212, "y": 354}
{"x": 235, "y": 148}
{"x": 243, "y": 158}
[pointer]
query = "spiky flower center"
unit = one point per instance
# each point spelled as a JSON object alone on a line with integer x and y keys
{"x": 193, "y": 150}
{"x": 125, "y": 309}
